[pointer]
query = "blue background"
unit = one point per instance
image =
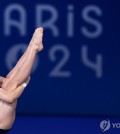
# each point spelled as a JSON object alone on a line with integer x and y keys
{"x": 60, "y": 125}
{"x": 83, "y": 93}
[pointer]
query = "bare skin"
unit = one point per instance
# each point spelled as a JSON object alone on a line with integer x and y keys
{"x": 11, "y": 86}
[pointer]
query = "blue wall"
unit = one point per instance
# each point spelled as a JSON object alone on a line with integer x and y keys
{"x": 60, "y": 125}
{"x": 78, "y": 71}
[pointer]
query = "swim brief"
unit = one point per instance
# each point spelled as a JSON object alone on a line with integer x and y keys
{"x": 2, "y": 131}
